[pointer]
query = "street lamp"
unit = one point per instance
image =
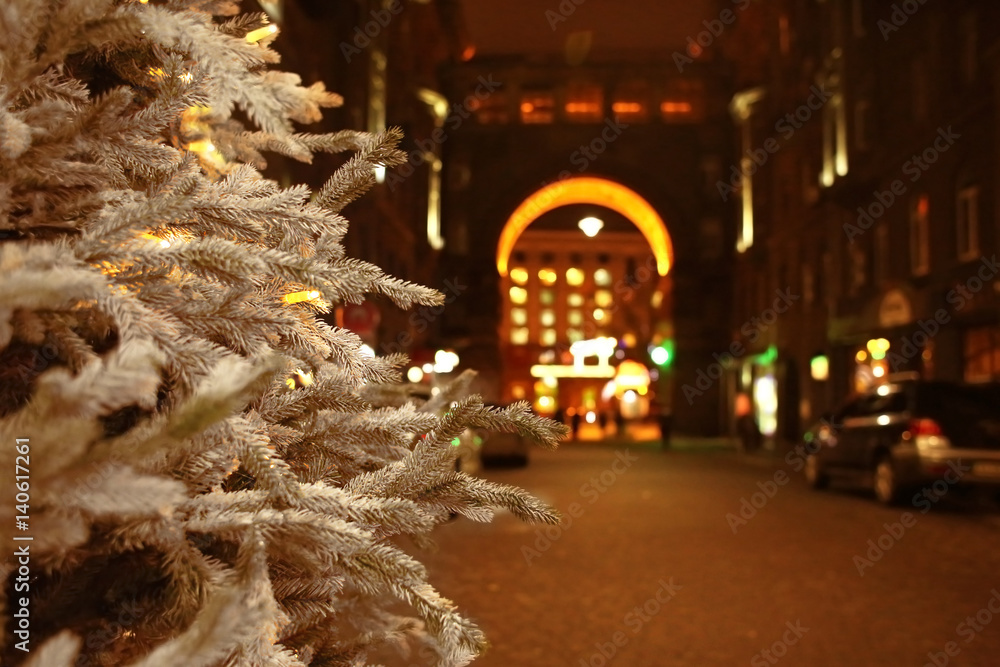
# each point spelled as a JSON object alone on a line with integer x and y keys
{"x": 591, "y": 226}
{"x": 445, "y": 361}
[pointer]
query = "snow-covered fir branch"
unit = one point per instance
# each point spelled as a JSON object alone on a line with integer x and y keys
{"x": 188, "y": 506}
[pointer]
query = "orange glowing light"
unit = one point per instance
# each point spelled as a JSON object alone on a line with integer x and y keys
{"x": 626, "y": 107}
{"x": 923, "y": 205}
{"x": 583, "y": 107}
{"x": 527, "y": 107}
{"x": 588, "y": 190}
{"x": 676, "y": 107}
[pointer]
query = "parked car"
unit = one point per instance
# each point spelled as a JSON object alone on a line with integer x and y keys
{"x": 477, "y": 448}
{"x": 503, "y": 450}
{"x": 910, "y": 433}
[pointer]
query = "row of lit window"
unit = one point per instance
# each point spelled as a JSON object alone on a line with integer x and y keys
{"x": 574, "y": 276}
{"x": 541, "y": 109}
{"x": 548, "y": 337}
{"x": 679, "y": 101}
{"x": 519, "y": 317}
{"x": 602, "y": 298}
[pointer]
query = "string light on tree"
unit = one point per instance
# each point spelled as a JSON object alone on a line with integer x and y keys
{"x": 202, "y": 429}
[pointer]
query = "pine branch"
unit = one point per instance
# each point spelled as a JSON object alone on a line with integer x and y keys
{"x": 357, "y": 176}
{"x": 145, "y": 344}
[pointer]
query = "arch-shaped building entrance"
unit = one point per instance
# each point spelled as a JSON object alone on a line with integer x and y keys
{"x": 588, "y": 190}
{"x": 567, "y": 299}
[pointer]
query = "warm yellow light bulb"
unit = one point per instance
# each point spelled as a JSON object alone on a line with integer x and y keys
{"x": 299, "y": 297}
{"x": 255, "y": 36}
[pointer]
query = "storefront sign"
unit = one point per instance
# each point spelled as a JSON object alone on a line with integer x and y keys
{"x": 895, "y": 309}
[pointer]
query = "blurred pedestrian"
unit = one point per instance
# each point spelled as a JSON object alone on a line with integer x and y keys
{"x": 749, "y": 433}
{"x": 663, "y": 414}
{"x": 746, "y": 425}
{"x": 574, "y": 423}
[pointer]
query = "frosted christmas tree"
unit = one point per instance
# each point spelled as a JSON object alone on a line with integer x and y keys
{"x": 196, "y": 469}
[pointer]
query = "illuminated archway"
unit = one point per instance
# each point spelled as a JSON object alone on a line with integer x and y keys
{"x": 595, "y": 191}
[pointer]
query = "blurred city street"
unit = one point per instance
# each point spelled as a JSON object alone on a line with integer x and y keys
{"x": 659, "y": 567}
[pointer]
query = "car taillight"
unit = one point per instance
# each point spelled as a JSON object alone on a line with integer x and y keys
{"x": 926, "y": 434}
{"x": 924, "y": 427}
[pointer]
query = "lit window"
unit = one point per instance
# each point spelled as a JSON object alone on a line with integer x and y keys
{"x": 519, "y": 275}
{"x": 575, "y": 318}
{"x": 630, "y": 112}
{"x": 968, "y": 222}
{"x": 982, "y": 354}
{"x": 675, "y": 107}
{"x": 603, "y": 298}
{"x": 683, "y": 100}
{"x": 575, "y": 300}
{"x": 631, "y": 103}
{"x": 519, "y": 317}
{"x": 574, "y": 335}
{"x": 834, "y": 140}
{"x": 598, "y": 314}
{"x": 519, "y": 336}
{"x": 574, "y": 277}
{"x": 548, "y": 318}
{"x": 602, "y": 277}
{"x": 784, "y": 35}
{"x": 585, "y": 103}
{"x": 549, "y": 337}
{"x": 808, "y": 283}
{"x": 538, "y": 107}
{"x": 548, "y": 276}
{"x": 919, "y": 235}
{"x": 492, "y": 110}
{"x": 547, "y": 297}
{"x": 518, "y": 295}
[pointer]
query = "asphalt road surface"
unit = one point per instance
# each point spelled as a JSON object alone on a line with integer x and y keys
{"x": 661, "y": 562}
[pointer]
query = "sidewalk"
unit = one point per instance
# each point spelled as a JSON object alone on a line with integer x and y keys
{"x": 647, "y": 437}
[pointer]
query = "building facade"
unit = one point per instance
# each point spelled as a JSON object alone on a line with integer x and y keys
{"x": 638, "y": 139}
{"x": 384, "y": 58}
{"x": 865, "y": 186}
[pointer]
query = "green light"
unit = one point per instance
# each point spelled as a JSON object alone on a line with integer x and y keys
{"x": 456, "y": 442}
{"x": 770, "y": 356}
{"x": 878, "y": 355}
{"x": 663, "y": 354}
{"x": 660, "y": 356}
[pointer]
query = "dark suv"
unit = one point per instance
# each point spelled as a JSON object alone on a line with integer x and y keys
{"x": 907, "y": 433}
